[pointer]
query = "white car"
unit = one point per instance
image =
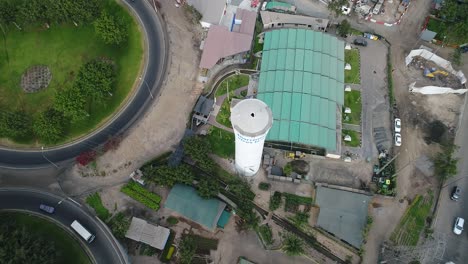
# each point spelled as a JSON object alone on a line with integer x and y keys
{"x": 397, "y": 139}
{"x": 397, "y": 125}
{"x": 458, "y": 227}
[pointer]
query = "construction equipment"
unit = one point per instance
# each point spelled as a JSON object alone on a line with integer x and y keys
{"x": 294, "y": 155}
{"x": 432, "y": 72}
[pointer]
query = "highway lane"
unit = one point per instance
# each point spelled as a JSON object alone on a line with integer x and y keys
{"x": 103, "y": 248}
{"x": 156, "y": 60}
{"x": 456, "y": 249}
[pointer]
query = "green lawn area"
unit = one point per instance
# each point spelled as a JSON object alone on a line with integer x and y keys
{"x": 94, "y": 200}
{"x": 235, "y": 82}
{"x": 353, "y": 100}
{"x": 68, "y": 249}
{"x": 222, "y": 142}
{"x": 353, "y": 75}
{"x": 224, "y": 114}
{"x": 355, "y": 138}
{"x": 409, "y": 229}
{"x": 257, "y": 45}
{"x": 64, "y": 49}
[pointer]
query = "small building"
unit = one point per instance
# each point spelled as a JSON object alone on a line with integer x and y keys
{"x": 281, "y": 20}
{"x": 343, "y": 213}
{"x": 152, "y": 235}
{"x": 279, "y": 7}
{"x": 184, "y": 200}
{"x": 223, "y": 43}
{"x": 203, "y": 109}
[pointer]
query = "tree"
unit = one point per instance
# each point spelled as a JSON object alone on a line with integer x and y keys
{"x": 456, "y": 57}
{"x": 187, "y": 248}
{"x": 344, "y": 28}
{"x": 335, "y": 6}
{"x": 119, "y": 225}
{"x": 453, "y": 12}
{"x": 208, "y": 189}
{"x": 49, "y": 126}
{"x": 444, "y": 163}
{"x": 168, "y": 176}
{"x": 96, "y": 79}
{"x": 198, "y": 149}
{"x": 15, "y": 124}
{"x": 111, "y": 29}
{"x": 293, "y": 245}
{"x": 71, "y": 102}
{"x": 20, "y": 246}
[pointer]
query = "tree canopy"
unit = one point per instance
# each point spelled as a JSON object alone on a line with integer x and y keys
{"x": 454, "y": 13}
{"x": 198, "y": 149}
{"x": 187, "y": 248}
{"x": 111, "y": 29}
{"x": 19, "y": 246}
{"x": 445, "y": 164}
{"x": 15, "y": 124}
{"x": 168, "y": 176}
{"x": 207, "y": 189}
{"x": 293, "y": 245}
{"x": 335, "y": 6}
{"x": 49, "y": 126}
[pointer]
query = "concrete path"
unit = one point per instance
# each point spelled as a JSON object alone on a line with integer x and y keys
{"x": 353, "y": 127}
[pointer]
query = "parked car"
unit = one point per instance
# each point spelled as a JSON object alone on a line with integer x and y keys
{"x": 458, "y": 227}
{"x": 397, "y": 139}
{"x": 47, "y": 209}
{"x": 397, "y": 125}
{"x": 455, "y": 193}
{"x": 360, "y": 42}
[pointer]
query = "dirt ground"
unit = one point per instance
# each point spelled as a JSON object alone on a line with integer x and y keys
{"x": 163, "y": 125}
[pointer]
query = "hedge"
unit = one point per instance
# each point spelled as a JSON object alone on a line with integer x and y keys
{"x": 142, "y": 195}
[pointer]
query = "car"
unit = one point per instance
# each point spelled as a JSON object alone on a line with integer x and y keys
{"x": 397, "y": 139}
{"x": 397, "y": 125}
{"x": 360, "y": 42}
{"x": 458, "y": 227}
{"x": 455, "y": 193}
{"x": 47, "y": 209}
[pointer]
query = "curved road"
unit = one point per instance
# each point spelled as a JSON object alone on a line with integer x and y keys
{"x": 156, "y": 60}
{"x": 104, "y": 248}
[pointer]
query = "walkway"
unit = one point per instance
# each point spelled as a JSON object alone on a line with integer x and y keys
{"x": 217, "y": 107}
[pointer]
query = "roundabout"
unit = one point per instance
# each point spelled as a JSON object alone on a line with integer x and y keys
{"x": 104, "y": 249}
{"x": 155, "y": 60}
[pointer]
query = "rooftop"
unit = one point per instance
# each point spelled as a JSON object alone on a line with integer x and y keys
{"x": 203, "y": 106}
{"x": 155, "y": 236}
{"x": 275, "y": 18}
{"x": 301, "y": 80}
{"x": 343, "y": 213}
{"x": 224, "y": 41}
{"x": 251, "y": 117}
{"x": 185, "y": 200}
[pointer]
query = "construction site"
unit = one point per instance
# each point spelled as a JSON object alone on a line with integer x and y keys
{"x": 428, "y": 73}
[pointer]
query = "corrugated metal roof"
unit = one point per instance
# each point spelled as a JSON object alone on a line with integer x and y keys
{"x": 302, "y": 81}
{"x": 153, "y": 235}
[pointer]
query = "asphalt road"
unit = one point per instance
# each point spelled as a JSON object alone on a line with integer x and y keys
{"x": 103, "y": 248}
{"x": 156, "y": 59}
{"x": 456, "y": 249}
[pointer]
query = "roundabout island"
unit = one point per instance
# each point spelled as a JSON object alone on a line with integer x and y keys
{"x": 69, "y": 87}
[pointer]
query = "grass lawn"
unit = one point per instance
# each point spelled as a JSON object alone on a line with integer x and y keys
{"x": 353, "y": 100}
{"x": 94, "y": 200}
{"x": 355, "y": 138}
{"x": 68, "y": 249}
{"x": 224, "y": 114}
{"x": 222, "y": 142}
{"x": 353, "y": 75}
{"x": 257, "y": 45}
{"x": 409, "y": 229}
{"x": 235, "y": 82}
{"x": 355, "y": 32}
{"x": 64, "y": 49}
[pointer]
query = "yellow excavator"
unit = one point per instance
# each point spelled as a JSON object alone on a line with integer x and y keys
{"x": 432, "y": 72}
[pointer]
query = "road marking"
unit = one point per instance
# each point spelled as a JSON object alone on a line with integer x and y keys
{"x": 74, "y": 201}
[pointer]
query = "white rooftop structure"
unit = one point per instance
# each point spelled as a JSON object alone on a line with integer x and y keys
{"x": 155, "y": 236}
{"x": 281, "y": 20}
{"x": 251, "y": 120}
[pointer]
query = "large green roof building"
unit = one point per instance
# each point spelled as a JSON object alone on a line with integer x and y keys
{"x": 302, "y": 81}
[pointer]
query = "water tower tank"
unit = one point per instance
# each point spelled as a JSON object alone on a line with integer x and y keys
{"x": 251, "y": 120}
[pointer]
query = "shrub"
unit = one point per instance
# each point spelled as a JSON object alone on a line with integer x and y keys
{"x": 119, "y": 225}
{"x": 142, "y": 195}
{"x": 275, "y": 201}
{"x": 172, "y": 220}
{"x": 287, "y": 169}
{"x": 266, "y": 234}
{"x": 292, "y": 201}
{"x": 264, "y": 186}
{"x": 94, "y": 200}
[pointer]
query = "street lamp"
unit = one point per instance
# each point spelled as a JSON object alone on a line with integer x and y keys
{"x": 42, "y": 152}
{"x": 147, "y": 86}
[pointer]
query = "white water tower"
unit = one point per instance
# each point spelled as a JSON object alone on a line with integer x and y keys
{"x": 251, "y": 120}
